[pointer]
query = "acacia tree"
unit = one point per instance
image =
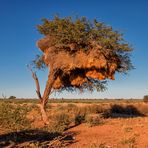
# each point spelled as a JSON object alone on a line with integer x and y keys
{"x": 80, "y": 55}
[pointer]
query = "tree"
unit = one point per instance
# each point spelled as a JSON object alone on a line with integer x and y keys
{"x": 80, "y": 55}
{"x": 12, "y": 97}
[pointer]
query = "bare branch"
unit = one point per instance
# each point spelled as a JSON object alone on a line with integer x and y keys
{"x": 34, "y": 76}
{"x": 4, "y": 96}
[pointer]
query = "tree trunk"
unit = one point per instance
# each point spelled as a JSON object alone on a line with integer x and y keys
{"x": 45, "y": 97}
{"x": 43, "y": 114}
{"x": 47, "y": 92}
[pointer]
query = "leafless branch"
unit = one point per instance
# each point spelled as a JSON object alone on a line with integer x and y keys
{"x": 34, "y": 76}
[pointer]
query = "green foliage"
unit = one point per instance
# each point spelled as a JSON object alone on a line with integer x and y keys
{"x": 38, "y": 62}
{"x": 85, "y": 35}
{"x": 97, "y": 41}
{"x": 81, "y": 31}
{"x": 13, "y": 117}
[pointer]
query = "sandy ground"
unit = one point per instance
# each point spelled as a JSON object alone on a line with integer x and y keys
{"x": 114, "y": 133}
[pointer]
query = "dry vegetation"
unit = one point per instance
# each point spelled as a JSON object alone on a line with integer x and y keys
{"x": 74, "y": 123}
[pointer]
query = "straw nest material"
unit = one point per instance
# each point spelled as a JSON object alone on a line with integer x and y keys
{"x": 75, "y": 67}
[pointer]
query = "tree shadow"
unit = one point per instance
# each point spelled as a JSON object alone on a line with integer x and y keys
{"x": 120, "y": 111}
{"x": 37, "y": 138}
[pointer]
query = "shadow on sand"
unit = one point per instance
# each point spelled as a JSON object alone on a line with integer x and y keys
{"x": 120, "y": 111}
{"x": 38, "y": 138}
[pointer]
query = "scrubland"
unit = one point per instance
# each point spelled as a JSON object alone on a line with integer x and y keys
{"x": 75, "y": 123}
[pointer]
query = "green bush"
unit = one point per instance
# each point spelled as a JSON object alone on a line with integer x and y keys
{"x": 13, "y": 117}
{"x": 145, "y": 98}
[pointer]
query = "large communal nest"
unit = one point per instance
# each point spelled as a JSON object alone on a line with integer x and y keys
{"x": 74, "y": 68}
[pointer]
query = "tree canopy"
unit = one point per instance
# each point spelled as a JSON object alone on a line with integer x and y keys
{"x": 81, "y": 54}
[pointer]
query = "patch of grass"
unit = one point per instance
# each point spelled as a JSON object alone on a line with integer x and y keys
{"x": 70, "y": 108}
{"x": 13, "y": 117}
{"x": 60, "y": 122}
{"x": 93, "y": 120}
{"x": 70, "y": 105}
{"x": 77, "y": 113}
{"x": 60, "y": 107}
{"x": 130, "y": 142}
{"x": 128, "y": 129}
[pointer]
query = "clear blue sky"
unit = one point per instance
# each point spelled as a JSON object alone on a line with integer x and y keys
{"x": 18, "y": 36}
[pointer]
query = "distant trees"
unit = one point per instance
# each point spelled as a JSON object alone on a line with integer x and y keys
{"x": 5, "y": 97}
{"x": 80, "y": 55}
{"x": 12, "y": 97}
{"x": 145, "y": 98}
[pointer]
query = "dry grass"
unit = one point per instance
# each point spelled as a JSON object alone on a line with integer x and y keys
{"x": 63, "y": 116}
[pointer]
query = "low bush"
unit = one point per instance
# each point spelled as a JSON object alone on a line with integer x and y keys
{"x": 78, "y": 119}
{"x": 128, "y": 110}
{"x": 93, "y": 120}
{"x": 70, "y": 108}
{"x": 60, "y": 122}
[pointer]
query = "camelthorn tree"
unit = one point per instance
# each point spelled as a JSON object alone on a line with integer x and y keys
{"x": 80, "y": 55}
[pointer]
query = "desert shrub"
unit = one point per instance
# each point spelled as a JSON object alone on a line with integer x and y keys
{"x": 80, "y": 113}
{"x": 132, "y": 110}
{"x": 96, "y": 109}
{"x": 13, "y": 117}
{"x": 129, "y": 109}
{"x": 79, "y": 119}
{"x": 61, "y": 122}
{"x": 145, "y": 99}
{"x": 107, "y": 113}
{"x": 93, "y": 119}
{"x": 71, "y": 108}
{"x": 129, "y": 141}
{"x": 90, "y": 109}
{"x": 85, "y": 110}
{"x": 93, "y": 109}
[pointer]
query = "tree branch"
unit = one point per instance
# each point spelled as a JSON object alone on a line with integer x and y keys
{"x": 34, "y": 76}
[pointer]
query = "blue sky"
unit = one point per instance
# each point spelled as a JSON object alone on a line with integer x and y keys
{"x": 18, "y": 36}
